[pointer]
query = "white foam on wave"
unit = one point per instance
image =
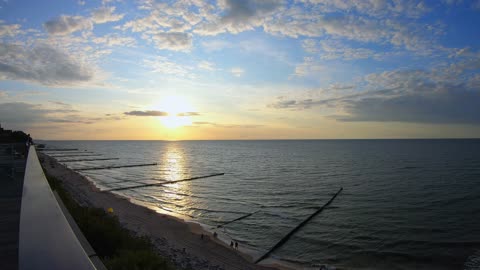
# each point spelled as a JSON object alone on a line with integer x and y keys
{"x": 473, "y": 261}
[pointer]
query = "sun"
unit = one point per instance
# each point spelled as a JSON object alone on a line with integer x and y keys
{"x": 177, "y": 108}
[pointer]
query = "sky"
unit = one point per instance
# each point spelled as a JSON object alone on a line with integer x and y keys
{"x": 240, "y": 69}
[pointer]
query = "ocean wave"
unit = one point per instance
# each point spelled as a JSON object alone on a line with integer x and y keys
{"x": 217, "y": 211}
{"x": 410, "y": 167}
{"x": 473, "y": 261}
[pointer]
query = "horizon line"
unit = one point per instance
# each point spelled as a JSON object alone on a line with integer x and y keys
{"x": 295, "y": 139}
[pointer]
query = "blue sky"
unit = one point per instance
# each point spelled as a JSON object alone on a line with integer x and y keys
{"x": 240, "y": 69}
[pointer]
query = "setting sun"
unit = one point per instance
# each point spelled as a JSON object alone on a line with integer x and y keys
{"x": 179, "y": 112}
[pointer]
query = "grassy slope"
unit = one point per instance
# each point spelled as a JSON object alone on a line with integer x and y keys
{"x": 117, "y": 247}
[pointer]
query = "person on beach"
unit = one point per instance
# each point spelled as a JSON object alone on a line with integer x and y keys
{"x": 231, "y": 244}
{"x": 215, "y": 234}
{"x": 236, "y": 245}
{"x": 201, "y": 237}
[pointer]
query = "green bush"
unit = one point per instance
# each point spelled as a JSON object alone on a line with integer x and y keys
{"x": 136, "y": 259}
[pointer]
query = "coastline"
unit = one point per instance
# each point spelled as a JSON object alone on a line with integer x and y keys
{"x": 174, "y": 238}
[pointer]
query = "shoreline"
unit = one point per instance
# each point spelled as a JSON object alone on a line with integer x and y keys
{"x": 176, "y": 239}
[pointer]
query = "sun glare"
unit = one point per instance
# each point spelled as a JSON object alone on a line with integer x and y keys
{"x": 177, "y": 109}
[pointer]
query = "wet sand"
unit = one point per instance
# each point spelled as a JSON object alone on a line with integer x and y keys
{"x": 174, "y": 238}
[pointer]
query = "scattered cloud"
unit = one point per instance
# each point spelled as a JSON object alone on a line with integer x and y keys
{"x": 65, "y": 25}
{"x": 42, "y": 64}
{"x": 60, "y": 103}
{"x": 207, "y": 65}
{"x": 106, "y": 14}
{"x": 171, "y": 26}
{"x": 297, "y": 104}
{"x": 188, "y": 114}
{"x": 9, "y": 30}
{"x": 376, "y": 8}
{"x": 239, "y": 16}
{"x": 146, "y": 113}
{"x": 237, "y": 72}
{"x": 310, "y": 45}
{"x": 114, "y": 40}
{"x": 329, "y": 49}
{"x": 403, "y": 96}
{"x": 164, "y": 66}
{"x": 19, "y": 112}
{"x": 22, "y": 115}
{"x": 169, "y": 38}
{"x": 159, "y": 113}
{"x": 175, "y": 41}
{"x": 71, "y": 121}
{"x": 219, "y": 125}
{"x": 338, "y": 86}
{"x": 476, "y": 5}
{"x": 446, "y": 104}
{"x": 308, "y": 67}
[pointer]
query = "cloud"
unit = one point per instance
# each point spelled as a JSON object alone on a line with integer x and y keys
{"x": 362, "y": 27}
{"x": 170, "y": 26}
{"x": 175, "y": 41}
{"x": 60, "y": 103}
{"x": 163, "y": 66}
{"x": 213, "y": 124}
{"x": 239, "y": 16}
{"x": 9, "y": 30}
{"x": 244, "y": 15}
{"x": 22, "y": 115}
{"x": 146, "y": 113}
{"x": 476, "y": 5}
{"x": 207, "y": 65}
{"x": 403, "y": 96}
{"x": 42, "y": 64}
{"x": 105, "y": 14}
{"x": 71, "y": 121}
{"x": 297, "y": 104}
{"x": 377, "y": 8}
{"x": 159, "y": 113}
{"x": 310, "y": 45}
{"x": 178, "y": 16}
{"x": 188, "y": 114}
{"x": 451, "y": 104}
{"x": 329, "y": 49}
{"x": 65, "y": 25}
{"x": 237, "y": 72}
{"x": 368, "y": 21}
{"x": 114, "y": 40}
{"x": 308, "y": 67}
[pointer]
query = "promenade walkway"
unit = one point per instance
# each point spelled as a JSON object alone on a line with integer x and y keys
{"x": 11, "y": 184}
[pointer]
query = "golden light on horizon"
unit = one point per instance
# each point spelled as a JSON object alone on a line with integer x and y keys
{"x": 178, "y": 109}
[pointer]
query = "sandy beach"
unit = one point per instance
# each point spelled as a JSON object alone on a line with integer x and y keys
{"x": 175, "y": 239}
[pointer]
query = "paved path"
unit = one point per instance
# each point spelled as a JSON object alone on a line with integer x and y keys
{"x": 10, "y": 203}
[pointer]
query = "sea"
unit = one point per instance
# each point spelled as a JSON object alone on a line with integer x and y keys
{"x": 405, "y": 204}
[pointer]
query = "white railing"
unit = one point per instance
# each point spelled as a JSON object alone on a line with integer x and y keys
{"x": 46, "y": 240}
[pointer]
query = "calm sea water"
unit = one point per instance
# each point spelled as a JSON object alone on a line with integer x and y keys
{"x": 406, "y": 204}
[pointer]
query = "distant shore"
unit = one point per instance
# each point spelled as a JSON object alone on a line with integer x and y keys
{"x": 175, "y": 239}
